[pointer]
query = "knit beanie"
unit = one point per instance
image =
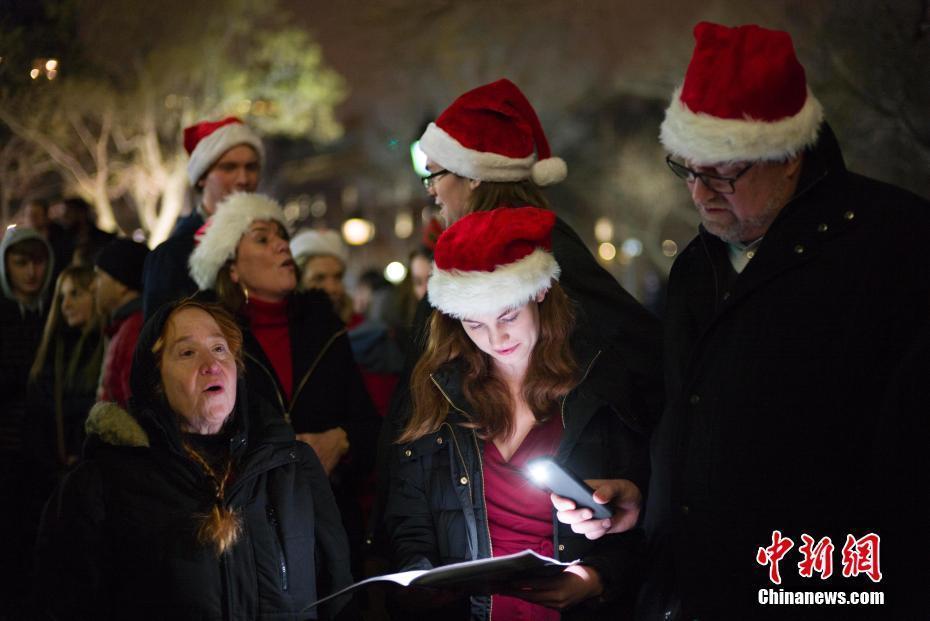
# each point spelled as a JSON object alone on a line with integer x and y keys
{"x": 123, "y": 259}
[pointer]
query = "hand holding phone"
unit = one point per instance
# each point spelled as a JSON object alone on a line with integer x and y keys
{"x": 546, "y": 473}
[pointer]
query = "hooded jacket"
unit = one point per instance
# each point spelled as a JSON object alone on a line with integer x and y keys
{"x": 118, "y": 538}
{"x": 20, "y": 333}
{"x": 436, "y": 512}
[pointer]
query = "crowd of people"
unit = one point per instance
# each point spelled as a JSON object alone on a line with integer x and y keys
{"x": 217, "y": 429}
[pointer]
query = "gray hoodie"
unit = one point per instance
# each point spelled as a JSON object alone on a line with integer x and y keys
{"x": 14, "y": 235}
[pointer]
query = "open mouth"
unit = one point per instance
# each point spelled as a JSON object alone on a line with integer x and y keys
{"x": 288, "y": 263}
{"x": 214, "y": 388}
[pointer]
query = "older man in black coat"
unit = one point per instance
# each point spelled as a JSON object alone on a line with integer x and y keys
{"x": 790, "y": 317}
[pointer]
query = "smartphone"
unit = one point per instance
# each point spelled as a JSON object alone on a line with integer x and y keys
{"x": 546, "y": 473}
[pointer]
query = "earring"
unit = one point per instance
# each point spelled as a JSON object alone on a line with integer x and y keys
{"x": 245, "y": 292}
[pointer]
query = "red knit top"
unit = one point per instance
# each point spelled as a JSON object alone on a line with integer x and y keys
{"x": 268, "y": 321}
{"x": 520, "y": 514}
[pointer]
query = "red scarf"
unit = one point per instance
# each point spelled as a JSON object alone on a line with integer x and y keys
{"x": 269, "y": 324}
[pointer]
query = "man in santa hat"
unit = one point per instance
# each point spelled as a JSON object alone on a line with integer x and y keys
{"x": 225, "y": 157}
{"x": 791, "y": 327}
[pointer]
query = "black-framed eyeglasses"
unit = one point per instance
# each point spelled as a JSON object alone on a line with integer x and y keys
{"x": 715, "y": 183}
{"x": 430, "y": 179}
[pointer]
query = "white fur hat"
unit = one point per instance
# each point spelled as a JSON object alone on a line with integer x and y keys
{"x": 310, "y": 243}
{"x": 223, "y": 231}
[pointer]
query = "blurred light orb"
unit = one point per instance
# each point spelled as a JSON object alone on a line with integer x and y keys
{"x": 669, "y": 248}
{"x": 395, "y": 272}
{"x": 403, "y": 225}
{"x": 51, "y": 64}
{"x": 632, "y": 247}
{"x": 603, "y": 230}
{"x": 34, "y": 74}
{"x": 358, "y": 231}
{"x": 292, "y": 211}
{"x": 318, "y": 207}
{"x": 607, "y": 251}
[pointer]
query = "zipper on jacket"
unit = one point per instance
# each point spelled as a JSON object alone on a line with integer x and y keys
{"x": 484, "y": 503}
{"x": 282, "y": 562}
{"x": 287, "y": 407}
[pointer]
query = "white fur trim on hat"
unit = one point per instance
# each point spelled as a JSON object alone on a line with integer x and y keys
{"x": 212, "y": 147}
{"x": 468, "y": 294}
{"x": 311, "y": 243}
{"x": 449, "y": 153}
{"x": 704, "y": 139}
{"x": 224, "y": 230}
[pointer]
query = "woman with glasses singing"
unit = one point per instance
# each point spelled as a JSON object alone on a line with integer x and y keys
{"x": 502, "y": 383}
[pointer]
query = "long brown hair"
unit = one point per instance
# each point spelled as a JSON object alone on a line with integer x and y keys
{"x": 83, "y": 278}
{"x": 552, "y": 373}
{"x": 489, "y": 195}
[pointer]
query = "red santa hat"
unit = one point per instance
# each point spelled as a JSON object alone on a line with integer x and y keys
{"x": 745, "y": 98}
{"x": 492, "y": 133}
{"x": 207, "y": 142}
{"x": 222, "y": 232}
{"x": 491, "y": 261}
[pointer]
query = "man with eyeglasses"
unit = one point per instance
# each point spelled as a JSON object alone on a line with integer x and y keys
{"x": 795, "y": 319}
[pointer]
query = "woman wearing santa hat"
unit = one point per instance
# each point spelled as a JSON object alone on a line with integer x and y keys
{"x": 296, "y": 349}
{"x": 503, "y": 381}
{"x": 488, "y": 150}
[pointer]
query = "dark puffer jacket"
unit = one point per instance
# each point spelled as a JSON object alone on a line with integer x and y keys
{"x": 436, "y": 512}
{"x": 118, "y": 539}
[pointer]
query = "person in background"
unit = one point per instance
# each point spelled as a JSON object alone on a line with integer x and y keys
{"x": 35, "y": 215}
{"x": 84, "y": 240}
{"x": 225, "y": 156}
{"x": 321, "y": 260}
{"x": 118, "y": 296}
{"x": 502, "y": 382}
{"x": 26, "y": 265}
{"x": 413, "y": 288}
{"x": 197, "y": 503}
{"x": 64, "y": 375}
{"x": 297, "y": 352}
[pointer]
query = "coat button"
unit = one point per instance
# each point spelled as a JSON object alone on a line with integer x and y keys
{"x": 439, "y": 440}
{"x": 408, "y": 453}
{"x": 849, "y": 215}
{"x": 561, "y": 547}
{"x": 822, "y": 227}
{"x": 726, "y": 296}
{"x": 799, "y": 249}
{"x": 293, "y": 455}
{"x": 464, "y": 480}
{"x": 750, "y": 254}
{"x": 694, "y": 399}
{"x": 685, "y": 509}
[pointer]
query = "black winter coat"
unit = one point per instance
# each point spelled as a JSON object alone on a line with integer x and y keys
{"x": 436, "y": 512}
{"x": 776, "y": 379}
{"x": 328, "y": 392}
{"x": 118, "y": 539}
{"x": 165, "y": 276}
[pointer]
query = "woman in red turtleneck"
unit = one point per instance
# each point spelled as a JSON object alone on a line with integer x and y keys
{"x": 297, "y": 352}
